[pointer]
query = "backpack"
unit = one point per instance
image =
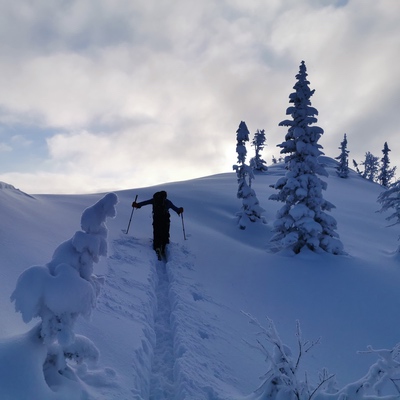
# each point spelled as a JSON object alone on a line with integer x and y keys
{"x": 159, "y": 206}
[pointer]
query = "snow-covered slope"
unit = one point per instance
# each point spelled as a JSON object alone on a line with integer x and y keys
{"x": 177, "y": 331}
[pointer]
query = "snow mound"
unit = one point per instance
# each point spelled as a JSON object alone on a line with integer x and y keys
{"x": 58, "y": 293}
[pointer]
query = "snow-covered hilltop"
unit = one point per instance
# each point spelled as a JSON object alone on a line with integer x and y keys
{"x": 11, "y": 190}
{"x": 179, "y": 330}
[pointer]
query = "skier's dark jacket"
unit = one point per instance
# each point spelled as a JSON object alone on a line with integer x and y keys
{"x": 160, "y": 218}
{"x": 168, "y": 204}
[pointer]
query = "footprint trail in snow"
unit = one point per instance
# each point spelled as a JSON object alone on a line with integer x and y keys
{"x": 162, "y": 380}
{"x": 141, "y": 290}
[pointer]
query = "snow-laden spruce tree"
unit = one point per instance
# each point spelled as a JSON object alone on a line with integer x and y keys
{"x": 62, "y": 290}
{"x": 257, "y": 163}
{"x": 251, "y": 210}
{"x": 390, "y": 201}
{"x": 302, "y": 221}
{"x": 343, "y": 168}
{"x": 386, "y": 174}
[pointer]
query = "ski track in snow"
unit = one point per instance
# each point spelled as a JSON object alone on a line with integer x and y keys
{"x": 135, "y": 276}
{"x": 162, "y": 380}
{"x": 128, "y": 294}
{"x": 170, "y": 361}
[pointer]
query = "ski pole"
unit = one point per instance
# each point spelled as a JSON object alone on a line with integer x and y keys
{"x": 130, "y": 219}
{"x": 183, "y": 227}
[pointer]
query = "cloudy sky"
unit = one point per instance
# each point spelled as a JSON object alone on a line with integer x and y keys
{"x": 99, "y": 95}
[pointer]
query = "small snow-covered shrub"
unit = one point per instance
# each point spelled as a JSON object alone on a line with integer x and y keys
{"x": 284, "y": 381}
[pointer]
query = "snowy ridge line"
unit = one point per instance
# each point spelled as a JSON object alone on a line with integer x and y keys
{"x": 12, "y": 189}
{"x": 162, "y": 382}
{"x": 128, "y": 294}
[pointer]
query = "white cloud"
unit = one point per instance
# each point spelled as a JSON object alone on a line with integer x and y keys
{"x": 5, "y": 147}
{"x": 154, "y": 91}
{"x": 21, "y": 140}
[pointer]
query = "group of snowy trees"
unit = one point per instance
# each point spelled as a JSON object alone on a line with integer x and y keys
{"x": 251, "y": 210}
{"x": 376, "y": 171}
{"x": 302, "y": 221}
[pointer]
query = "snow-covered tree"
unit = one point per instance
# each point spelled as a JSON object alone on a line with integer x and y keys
{"x": 302, "y": 221}
{"x": 343, "y": 168}
{"x": 283, "y": 380}
{"x": 242, "y": 136}
{"x": 390, "y": 201}
{"x": 371, "y": 167}
{"x": 251, "y": 209}
{"x": 64, "y": 289}
{"x": 386, "y": 174}
{"x": 257, "y": 163}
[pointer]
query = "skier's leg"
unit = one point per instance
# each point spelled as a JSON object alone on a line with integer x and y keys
{"x": 157, "y": 234}
{"x": 165, "y": 233}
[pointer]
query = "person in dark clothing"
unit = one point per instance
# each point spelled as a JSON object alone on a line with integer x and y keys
{"x": 161, "y": 219}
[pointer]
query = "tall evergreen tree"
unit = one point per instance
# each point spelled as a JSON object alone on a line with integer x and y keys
{"x": 302, "y": 221}
{"x": 251, "y": 210}
{"x": 257, "y": 163}
{"x": 242, "y": 136}
{"x": 386, "y": 174}
{"x": 343, "y": 168}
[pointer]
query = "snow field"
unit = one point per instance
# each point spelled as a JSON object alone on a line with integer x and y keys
{"x": 180, "y": 333}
